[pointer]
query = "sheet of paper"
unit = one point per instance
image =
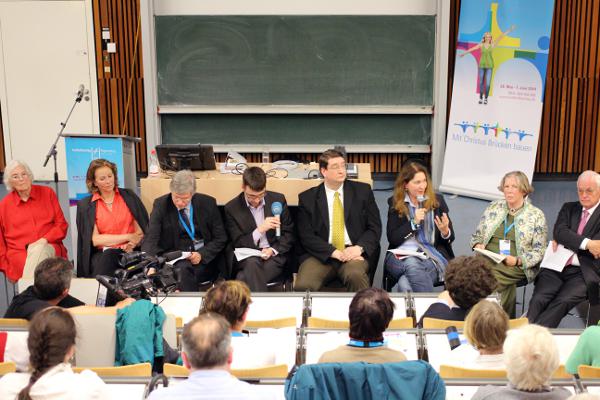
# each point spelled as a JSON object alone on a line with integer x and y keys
{"x": 241, "y": 253}
{"x": 495, "y": 257}
{"x": 184, "y": 255}
{"x": 407, "y": 253}
{"x": 556, "y": 260}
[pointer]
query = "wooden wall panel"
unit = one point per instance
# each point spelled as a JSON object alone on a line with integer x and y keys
{"x": 120, "y": 74}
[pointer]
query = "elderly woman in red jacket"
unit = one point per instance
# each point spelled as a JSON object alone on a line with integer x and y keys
{"x": 32, "y": 225}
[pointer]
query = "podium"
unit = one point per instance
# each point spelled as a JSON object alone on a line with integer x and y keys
{"x": 80, "y": 151}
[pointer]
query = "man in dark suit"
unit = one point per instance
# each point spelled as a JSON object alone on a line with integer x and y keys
{"x": 187, "y": 221}
{"x": 578, "y": 229}
{"x": 251, "y": 224}
{"x": 339, "y": 228}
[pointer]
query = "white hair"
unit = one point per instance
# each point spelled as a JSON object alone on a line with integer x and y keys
{"x": 10, "y": 167}
{"x": 589, "y": 174}
{"x": 531, "y": 357}
{"x": 183, "y": 181}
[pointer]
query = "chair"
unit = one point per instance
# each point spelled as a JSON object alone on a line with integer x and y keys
{"x": 523, "y": 283}
{"x": 7, "y": 367}
{"x": 143, "y": 370}
{"x": 272, "y": 323}
{"x": 450, "y": 371}
{"x": 586, "y": 372}
{"x": 435, "y": 323}
{"x": 322, "y": 323}
{"x": 270, "y": 371}
{"x": 13, "y": 323}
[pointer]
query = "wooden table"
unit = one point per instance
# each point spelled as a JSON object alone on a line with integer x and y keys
{"x": 225, "y": 187}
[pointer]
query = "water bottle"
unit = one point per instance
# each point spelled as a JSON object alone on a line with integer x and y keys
{"x": 153, "y": 166}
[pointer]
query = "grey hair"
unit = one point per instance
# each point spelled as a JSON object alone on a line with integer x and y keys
{"x": 8, "y": 170}
{"x": 522, "y": 181}
{"x": 183, "y": 181}
{"x": 207, "y": 341}
{"x": 531, "y": 357}
{"x": 589, "y": 174}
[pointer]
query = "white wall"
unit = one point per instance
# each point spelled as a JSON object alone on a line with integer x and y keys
{"x": 46, "y": 52}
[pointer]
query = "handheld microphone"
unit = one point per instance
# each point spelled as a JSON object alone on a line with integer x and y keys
{"x": 421, "y": 201}
{"x": 453, "y": 338}
{"x": 277, "y": 209}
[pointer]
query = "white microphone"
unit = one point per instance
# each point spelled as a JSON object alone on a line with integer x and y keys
{"x": 421, "y": 203}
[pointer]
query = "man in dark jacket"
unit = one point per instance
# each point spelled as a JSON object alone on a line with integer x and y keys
{"x": 187, "y": 221}
{"x": 259, "y": 219}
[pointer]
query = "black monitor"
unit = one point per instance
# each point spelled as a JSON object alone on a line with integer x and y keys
{"x": 175, "y": 157}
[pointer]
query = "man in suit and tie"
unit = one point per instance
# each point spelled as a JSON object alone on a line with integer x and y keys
{"x": 339, "y": 228}
{"x": 251, "y": 223}
{"x": 191, "y": 222}
{"x": 577, "y": 228}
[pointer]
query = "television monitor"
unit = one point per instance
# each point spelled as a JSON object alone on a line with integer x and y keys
{"x": 175, "y": 157}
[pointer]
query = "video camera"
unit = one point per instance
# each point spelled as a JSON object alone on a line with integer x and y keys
{"x": 142, "y": 275}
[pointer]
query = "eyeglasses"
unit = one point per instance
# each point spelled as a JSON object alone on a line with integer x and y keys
{"x": 336, "y": 167}
{"x": 16, "y": 177}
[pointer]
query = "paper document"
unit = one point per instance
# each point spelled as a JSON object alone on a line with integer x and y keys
{"x": 241, "y": 253}
{"x": 399, "y": 253}
{"x": 184, "y": 255}
{"x": 556, "y": 260}
{"x": 495, "y": 257}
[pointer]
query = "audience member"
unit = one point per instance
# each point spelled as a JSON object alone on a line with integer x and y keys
{"x": 251, "y": 223}
{"x": 208, "y": 354}
{"x": 109, "y": 222}
{"x": 51, "y": 344}
{"x": 339, "y": 229}
{"x": 418, "y": 222}
{"x": 370, "y": 313}
{"x": 586, "y": 351}
{"x": 468, "y": 280}
{"x": 32, "y": 225}
{"x": 191, "y": 222}
{"x": 51, "y": 283}
{"x": 513, "y": 227}
{"x": 231, "y": 300}
{"x": 531, "y": 357}
{"x": 485, "y": 330}
{"x": 577, "y": 228}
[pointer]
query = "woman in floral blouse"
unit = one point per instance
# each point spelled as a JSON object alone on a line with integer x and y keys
{"x": 515, "y": 228}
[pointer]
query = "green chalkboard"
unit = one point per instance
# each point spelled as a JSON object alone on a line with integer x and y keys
{"x": 295, "y": 60}
{"x": 296, "y": 129}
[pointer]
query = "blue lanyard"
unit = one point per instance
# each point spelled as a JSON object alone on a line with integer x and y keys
{"x": 360, "y": 343}
{"x": 507, "y": 229}
{"x": 191, "y": 230}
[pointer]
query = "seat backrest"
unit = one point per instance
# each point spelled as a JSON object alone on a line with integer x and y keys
{"x": 450, "y": 371}
{"x": 170, "y": 370}
{"x": 322, "y": 323}
{"x": 84, "y": 289}
{"x": 278, "y": 371}
{"x": 587, "y": 371}
{"x": 96, "y": 339}
{"x": 272, "y": 323}
{"x": 142, "y": 369}
{"x": 13, "y": 323}
{"x": 435, "y": 323}
{"x": 7, "y": 367}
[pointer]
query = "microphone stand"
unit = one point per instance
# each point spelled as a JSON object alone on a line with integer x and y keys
{"x": 52, "y": 152}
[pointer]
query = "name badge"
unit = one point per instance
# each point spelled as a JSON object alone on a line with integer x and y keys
{"x": 505, "y": 247}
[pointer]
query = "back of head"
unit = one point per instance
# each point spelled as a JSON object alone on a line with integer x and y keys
{"x": 51, "y": 336}
{"x": 531, "y": 357}
{"x": 254, "y": 178}
{"x": 207, "y": 341}
{"x": 370, "y": 313}
{"x": 468, "y": 279}
{"x": 51, "y": 277}
{"x": 486, "y": 326}
{"x": 229, "y": 299}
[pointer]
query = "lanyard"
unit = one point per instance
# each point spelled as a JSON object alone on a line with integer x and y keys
{"x": 191, "y": 230}
{"x": 507, "y": 229}
{"x": 360, "y": 343}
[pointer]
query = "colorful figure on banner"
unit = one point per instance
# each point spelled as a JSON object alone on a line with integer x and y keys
{"x": 486, "y": 62}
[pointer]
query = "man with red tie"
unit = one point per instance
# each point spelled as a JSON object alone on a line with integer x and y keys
{"x": 577, "y": 228}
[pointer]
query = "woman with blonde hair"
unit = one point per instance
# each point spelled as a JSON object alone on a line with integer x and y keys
{"x": 51, "y": 344}
{"x": 417, "y": 222}
{"x": 512, "y": 227}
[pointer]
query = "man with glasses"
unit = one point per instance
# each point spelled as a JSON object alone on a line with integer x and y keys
{"x": 259, "y": 219}
{"x": 339, "y": 228}
{"x": 187, "y": 221}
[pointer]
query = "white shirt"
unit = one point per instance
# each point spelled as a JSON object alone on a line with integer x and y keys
{"x": 466, "y": 356}
{"x": 330, "y": 193}
{"x": 59, "y": 382}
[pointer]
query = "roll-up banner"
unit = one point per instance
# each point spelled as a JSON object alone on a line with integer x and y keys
{"x": 497, "y": 95}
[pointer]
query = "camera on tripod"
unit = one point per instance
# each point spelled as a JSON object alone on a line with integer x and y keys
{"x": 142, "y": 276}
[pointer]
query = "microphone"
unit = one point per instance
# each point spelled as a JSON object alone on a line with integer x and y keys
{"x": 420, "y": 204}
{"x": 277, "y": 209}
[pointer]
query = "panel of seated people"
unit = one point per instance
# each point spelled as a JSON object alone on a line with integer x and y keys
{"x": 461, "y": 389}
{"x": 315, "y": 342}
{"x": 334, "y": 306}
{"x": 438, "y": 347}
{"x": 84, "y": 289}
{"x": 422, "y": 301}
